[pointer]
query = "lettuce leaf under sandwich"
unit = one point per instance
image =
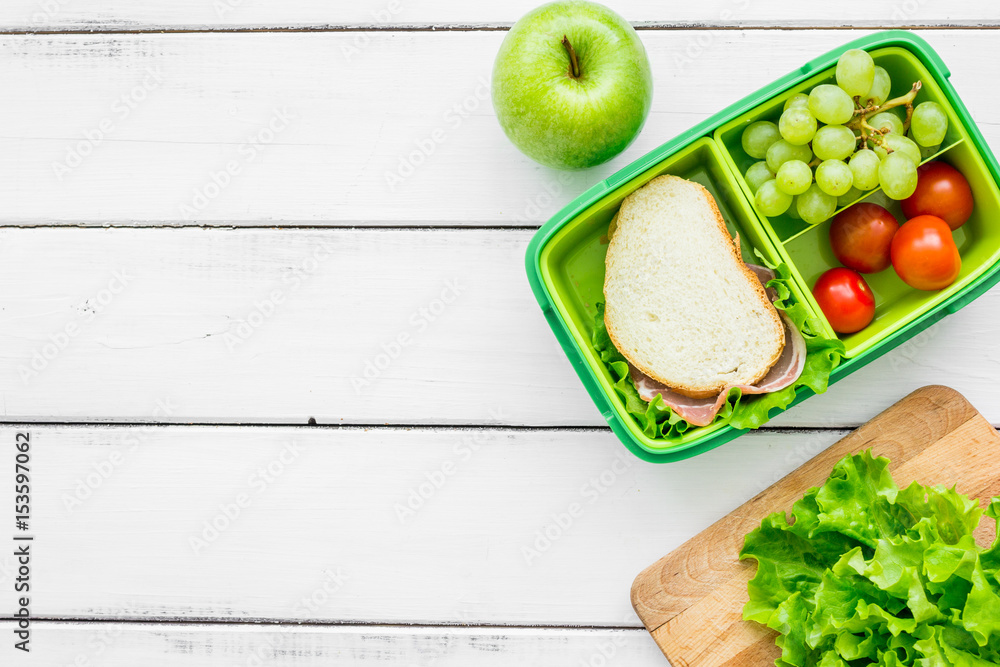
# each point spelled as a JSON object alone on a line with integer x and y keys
{"x": 658, "y": 420}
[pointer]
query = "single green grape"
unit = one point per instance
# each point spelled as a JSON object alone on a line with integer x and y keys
{"x": 864, "y": 165}
{"x": 881, "y": 85}
{"x": 758, "y": 137}
{"x": 771, "y": 201}
{"x": 830, "y": 104}
{"x": 899, "y": 145}
{"x": 925, "y": 151}
{"x": 879, "y": 197}
{"x": 757, "y": 175}
{"x": 797, "y": 126}
{"x": 781, "y": 152}
{"x": 833, "y": 142}
{"x": 815, "y": 206}
{"x": 834, "y": 177}
{"x": 898, "y": 176}
{"x": 794, "y": 177}
{"x": 928, "y": 124}
{"x": 855, "y": 72}
{"x": 887, "y": 119}
{"x": 928, "y": 151}
{"x": 793, "y": 209}
{"x": 796, "y": 100}
{"x": 849, "y": 197}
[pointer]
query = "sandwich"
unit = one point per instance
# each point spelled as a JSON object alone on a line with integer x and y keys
{"x": 697, "y": 326}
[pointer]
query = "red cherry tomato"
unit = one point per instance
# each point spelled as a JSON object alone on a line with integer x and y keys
{"x": 941, "y": 191}
{"x": 861, "y": 236}
{"x": 924, "y": 253}
{"x": 845, "y": 299}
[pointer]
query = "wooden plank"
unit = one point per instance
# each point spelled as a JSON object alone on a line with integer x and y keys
{"x": 426, "y": 526}
{"x": 228, "y": 14}
{"x": 342, "y": 326}
{"x": 131, "y": 644}
{"x": 316, "y": 130}
{"x": 692, "y": 599}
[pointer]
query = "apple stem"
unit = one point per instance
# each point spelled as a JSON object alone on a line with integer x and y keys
{"x": 574, "y": 64}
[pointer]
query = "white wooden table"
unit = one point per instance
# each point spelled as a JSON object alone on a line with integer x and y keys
{"x": 219, "y": 220}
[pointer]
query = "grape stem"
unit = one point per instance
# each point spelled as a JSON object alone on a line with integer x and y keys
{"x": 875, "y": 135}
{"x": 862, "y": 113}
{"x": 871, "y": 109}
{"x": 906, "y": 99}
{"x": 909, "y": 117}
{"x": 869, "y": 129}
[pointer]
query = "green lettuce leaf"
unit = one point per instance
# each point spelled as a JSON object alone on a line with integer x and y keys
{"x": 981, "y": 615}
{"x": 863, "y": 573}
{"x": 657, "y": 420}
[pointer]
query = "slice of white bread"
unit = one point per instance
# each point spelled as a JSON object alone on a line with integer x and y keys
{"x": 680, "y": 304}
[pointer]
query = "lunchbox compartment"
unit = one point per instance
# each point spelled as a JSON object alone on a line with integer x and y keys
{"x": 896, "y": 303}
{"x": 806, "y": 248}
{"x": 573, "y": 260}
{"x": 903, "y": 67}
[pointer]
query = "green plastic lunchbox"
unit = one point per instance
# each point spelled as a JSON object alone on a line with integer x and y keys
{"x": 565, "y": 258}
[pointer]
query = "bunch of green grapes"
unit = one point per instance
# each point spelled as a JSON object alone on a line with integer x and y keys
{"x": 839, "y": 141}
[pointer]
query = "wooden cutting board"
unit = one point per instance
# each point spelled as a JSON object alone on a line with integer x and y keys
{"x": 691, "y": 600}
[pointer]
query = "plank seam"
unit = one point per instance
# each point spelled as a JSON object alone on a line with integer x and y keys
{"x": 211, "y": 621}
{"x": 484, "y": 27}
{"x": 276, "y": 227}
{"x": 776, "y": 430}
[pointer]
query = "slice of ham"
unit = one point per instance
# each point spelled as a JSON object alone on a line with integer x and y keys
{"x": 764, "y": 275}
{"x": 701, "y": 411}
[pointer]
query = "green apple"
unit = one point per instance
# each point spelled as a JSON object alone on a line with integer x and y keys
{"x": 571, "y": 84}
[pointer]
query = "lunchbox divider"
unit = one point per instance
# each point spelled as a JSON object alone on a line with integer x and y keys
{"x": 869, "y": 193}
{"x": 800, "y": 290}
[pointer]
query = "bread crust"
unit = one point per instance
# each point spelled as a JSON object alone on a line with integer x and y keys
{"x": 758, "y": 289}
